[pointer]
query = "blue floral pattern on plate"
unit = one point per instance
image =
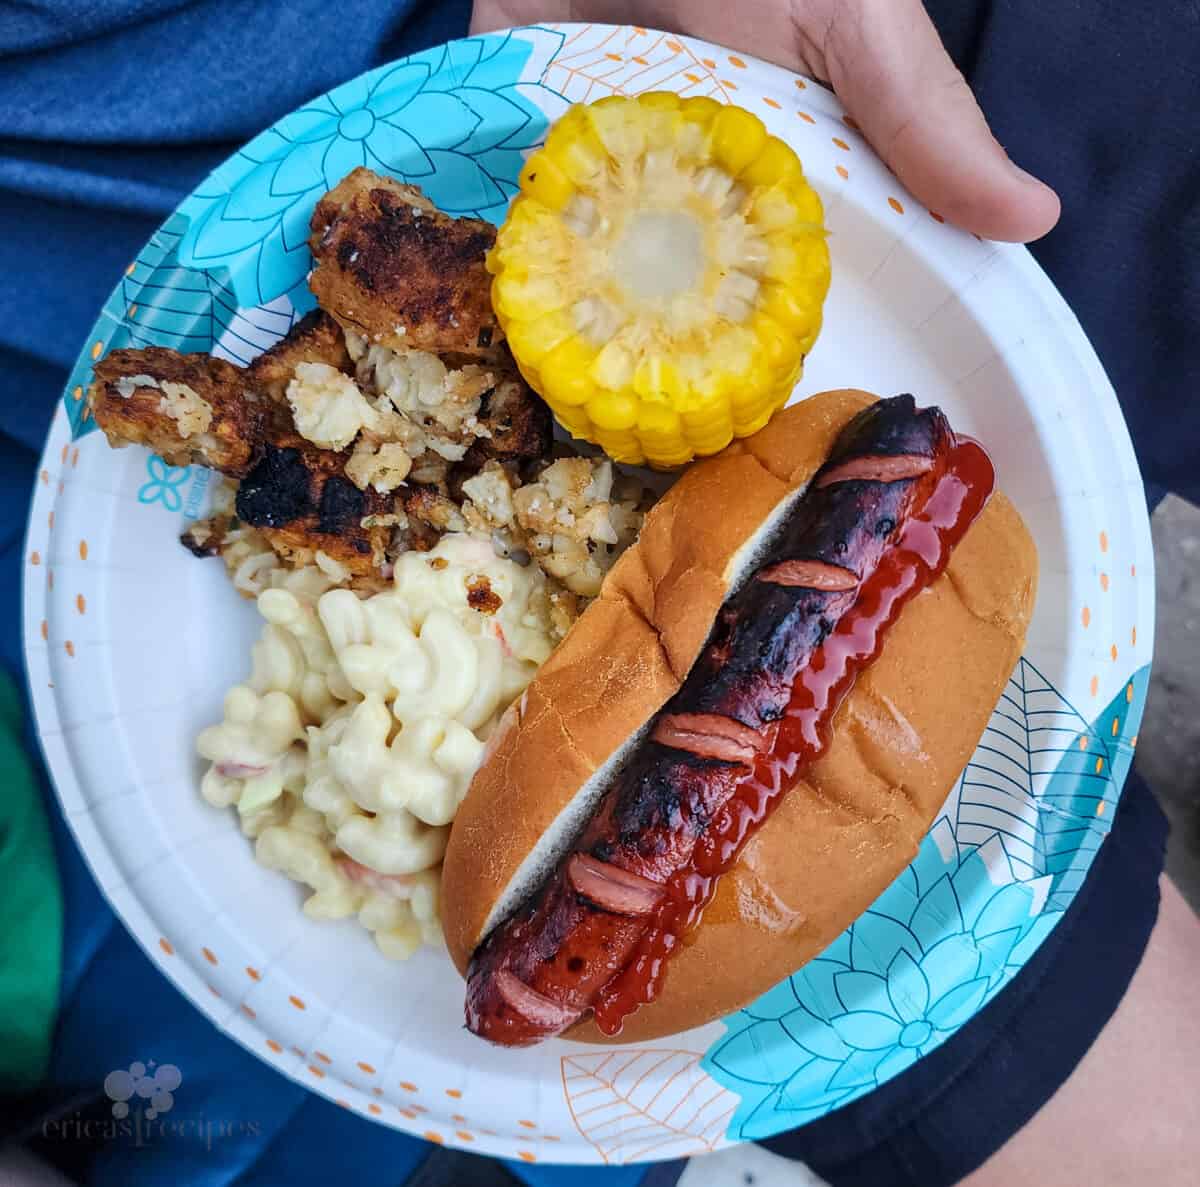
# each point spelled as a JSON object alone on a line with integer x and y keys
{"x": 953, "y": 929}
{"x": 455, "y": 120}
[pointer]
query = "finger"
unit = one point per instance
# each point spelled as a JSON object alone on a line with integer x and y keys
{"x": 888, "y": 66}
{"x": 489, "y": 15}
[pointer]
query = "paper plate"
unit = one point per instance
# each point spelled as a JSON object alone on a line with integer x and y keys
{"x": 131, "y": 642}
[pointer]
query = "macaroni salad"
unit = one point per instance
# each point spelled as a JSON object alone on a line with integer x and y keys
{"x": 352, "y": 743}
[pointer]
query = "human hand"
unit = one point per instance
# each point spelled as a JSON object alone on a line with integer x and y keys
{"x": 884, "y": 60}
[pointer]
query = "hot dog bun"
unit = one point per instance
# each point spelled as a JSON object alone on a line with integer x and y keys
{"x": 856, "y": 819}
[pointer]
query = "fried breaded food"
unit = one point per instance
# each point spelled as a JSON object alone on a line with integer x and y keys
{"x": 315, "y": 338}
{"x": 393, "y": 268}
{"x": 188, "y": 408}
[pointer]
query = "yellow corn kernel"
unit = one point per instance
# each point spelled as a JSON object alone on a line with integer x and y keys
{"x": 737, "y": 138}
{"x": 564, "y": 373}
{"x": 544, "y": 181}
{"x": 532, "y": 339}
{"x": 776, "y": 164}
{"x": 613, "y": 412}
{"x": 527, "y": 294}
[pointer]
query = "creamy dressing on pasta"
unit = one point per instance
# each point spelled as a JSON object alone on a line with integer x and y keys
{"x": 351, "y": 745}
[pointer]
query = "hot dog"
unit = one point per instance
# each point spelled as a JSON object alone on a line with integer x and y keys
{"x": 813, "y": 583}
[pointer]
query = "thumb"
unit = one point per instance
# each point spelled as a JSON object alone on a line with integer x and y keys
{"x": 888, "y": 66}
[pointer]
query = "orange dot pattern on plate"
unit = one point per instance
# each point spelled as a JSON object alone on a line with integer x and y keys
{"x": 213, "y": 990}
{"x": 1100, "y": 808}
{"x": 165, "y": 945}
{"x": 342, "y": 1103}
{"x": 1086, "y": 618}
{"x": 249, "y": 1011}
{"x": 770, "y": 102}
{"x": 1133, "y": 570}
{"x": 69, "y": 648}
{"x": 458, "y": 1118}
{"x": 851, "y": 123}
{"x": 272, "y": 1045}
{"x": 49, "y": 578}
{"x": 937, "y": 218}
{"x": 709, "y": 63}
{"x": 1095, "y": 685}
{"x": 1116, "y": 726}
{"x": 737, "y": 62}
{"x": 316, "y": 1071}
{"x": 843, "y": 172}
{"x": 801, "y": 85}
{"x": 808, "y": 119}
{"x": 729, "y": 84}
{"x": 894, "y": 203}
{"x": 466, "y": 1137}
{"x": 526, "y": 1156}
{"x": 430, "y": 1136}
{"x": 45, "y": 630}
{"x": 375, "y": 1109}
{"x": 253, "y": 973}
{"x": 1133, "y": 742}
{"x": 365, "y": 1067}
{"x": 692, "y": 77}
{"x": 97, "y": 347}
{"x": 50, "y": 521}
{"x": 1133, "y": 637}
{"x": 297, "y": 1051}
{"x": 77, "y": 393}
{"x": 1113, "y": 652}
{"x": 35, "y": 557}
{"x": 527, "y": 1124}
{"x": 613, "y": 57}
{"x": 296, "y": 1002}
{"x": 1082, "y": 742}
{"x": 83, "y": 550}
{"x": 45, "y": 477}
{"x": 1129, "y": 694}
{"x": 80, "y": 603}
{"x": 640, "y": 61}
{"x": 1104, "y": 582}
{"x": 1099, "y": 765}
{"x": 322, "y": 1057}
{"x": 129, "y": 270}
{"x": 1103, "y": 541}
{"x": 207, "y": 953}
{"x": 74, "y": 457}
{"x": 841, "y": 144}
{"x": 132, "y": 311}
{"x": 407, "y": 1086}
{"x": 454, "y": 1092}
{"x": 674, "y": 46}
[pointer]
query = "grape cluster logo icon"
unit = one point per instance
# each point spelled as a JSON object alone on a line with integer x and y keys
{"x": 155, "y": 1083}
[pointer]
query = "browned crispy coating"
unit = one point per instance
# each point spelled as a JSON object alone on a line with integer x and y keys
{"x": 297, "y": 494}
{"x": 519, "y": 422}
{"x": 300, "y": 499}
{"x": 393, "y": 268}
{"x": 315, "y": 338}
{"x": 238, "y": 416}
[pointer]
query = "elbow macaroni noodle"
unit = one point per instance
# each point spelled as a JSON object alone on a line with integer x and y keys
{"x": 353, "y": 741}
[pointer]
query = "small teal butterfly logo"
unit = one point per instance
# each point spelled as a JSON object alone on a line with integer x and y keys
{"x": 165, "y": 484}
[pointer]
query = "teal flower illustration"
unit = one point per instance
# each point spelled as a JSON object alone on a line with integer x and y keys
{"x": 164, "y": 484}
{"x": 951, "y": 931}
{"x": 456, "y": 120}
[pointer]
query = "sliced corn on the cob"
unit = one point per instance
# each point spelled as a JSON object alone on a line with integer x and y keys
{"x": 661, "y": 274}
